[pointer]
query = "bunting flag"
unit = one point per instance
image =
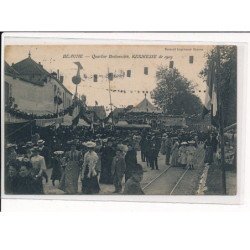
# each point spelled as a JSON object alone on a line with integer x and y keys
{"x": 211, "y": 104}
{"x": 209, "y": 87}
{"x": 75, "y": 115}
{"x": 110, "y": 76}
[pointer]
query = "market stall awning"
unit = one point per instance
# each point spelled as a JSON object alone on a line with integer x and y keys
{"x": 10, "y": 119}
{"x": 48, "y": 122}
{"x": 124, "y": 124}
{"x": 67, "y": 121}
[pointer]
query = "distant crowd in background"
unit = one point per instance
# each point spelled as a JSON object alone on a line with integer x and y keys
{"x": 104, "y": 156}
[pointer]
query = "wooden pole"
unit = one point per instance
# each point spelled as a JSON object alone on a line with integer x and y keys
{"x": 221, "y": 120}
{"x": 110, "y": 100}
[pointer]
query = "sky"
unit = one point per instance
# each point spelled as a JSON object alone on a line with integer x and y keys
{"x": 101, "y": 59}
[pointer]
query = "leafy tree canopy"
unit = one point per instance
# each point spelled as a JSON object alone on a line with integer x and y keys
{"x": 225, "y": 58}
{"x": 174, "y": 93}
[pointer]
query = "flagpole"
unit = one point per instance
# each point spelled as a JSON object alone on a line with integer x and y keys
{"x": 110, "y": 101}
{"x": 221, "y": 121}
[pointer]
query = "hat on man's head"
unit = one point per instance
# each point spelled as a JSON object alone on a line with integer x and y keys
{"x": 89, "y": 144}
{"x": 35, "y": 149}
{"x": 191, "y": 142}
{"x": 40, "y": 142}
{"x": 58, "y": 152}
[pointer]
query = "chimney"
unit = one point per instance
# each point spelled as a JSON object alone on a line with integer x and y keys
{"x": 61, "y": 79}
{"x": 58, "y": 77}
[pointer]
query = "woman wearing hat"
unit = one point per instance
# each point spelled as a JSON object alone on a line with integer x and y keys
{"x": 190, "y": 154}
{"x": 183, "y": 154}
{"x": 174, "y": 153}
{"x": 38, "y": 170}
{"x": 57, "y": 166}
{"x": 90, "y": 170}
{"x": 73, "y": 159}
{"x": 44, "y": 151}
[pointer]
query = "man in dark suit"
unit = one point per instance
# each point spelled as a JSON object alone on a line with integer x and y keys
{"x": 118, "y": 167}
{"x": 131, "y": 160}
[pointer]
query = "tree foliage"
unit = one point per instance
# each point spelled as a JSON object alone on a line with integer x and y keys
{"x": 174, "y": 93}
{"x": 226, "y": 75}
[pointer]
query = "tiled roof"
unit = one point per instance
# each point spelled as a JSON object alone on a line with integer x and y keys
{"x": 9, "y": 70}
{"x": 29, "y": 67}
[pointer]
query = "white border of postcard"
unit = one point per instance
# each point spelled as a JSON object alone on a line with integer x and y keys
{"x": 241, "y": 40}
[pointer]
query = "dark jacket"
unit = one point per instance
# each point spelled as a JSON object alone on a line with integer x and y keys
{"x": 25, "y": 185}
{"x": 118, "y": 167}
{"x": 130, "y": 159}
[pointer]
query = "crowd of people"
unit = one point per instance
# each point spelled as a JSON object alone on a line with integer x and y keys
{"x": 101, "y": 157}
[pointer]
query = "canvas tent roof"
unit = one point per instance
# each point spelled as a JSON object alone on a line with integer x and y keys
{"x": 145, "y": 106}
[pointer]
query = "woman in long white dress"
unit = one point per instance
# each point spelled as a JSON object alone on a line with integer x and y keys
{"x": 183, "y": 154}
{"x": 174, "y": 153}
{"x": 190, "y": 154}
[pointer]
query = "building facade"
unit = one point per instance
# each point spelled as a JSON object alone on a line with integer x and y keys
{"x": 33, "y": 89}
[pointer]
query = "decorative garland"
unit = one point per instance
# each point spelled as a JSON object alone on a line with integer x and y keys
{"x": 30, "y": 116}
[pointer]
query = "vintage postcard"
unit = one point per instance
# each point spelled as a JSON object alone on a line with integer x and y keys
{"x": 120, "y": 119}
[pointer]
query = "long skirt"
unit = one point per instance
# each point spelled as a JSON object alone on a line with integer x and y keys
{"x": 37, "y": 185}
{"x": 168, "y": 154}
{"x": 208, "y": 155}
{"x": 90, "y": 185}
{"x": 56, "y": 172}
{"x": 69, "y": 181}
{"x": 174, "y": 158}
{"x": 105, "y": 176}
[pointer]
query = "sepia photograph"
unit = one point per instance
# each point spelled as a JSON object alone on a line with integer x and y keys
{"x": 120, "y": 119}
